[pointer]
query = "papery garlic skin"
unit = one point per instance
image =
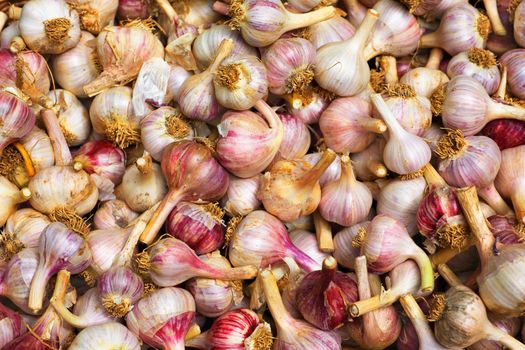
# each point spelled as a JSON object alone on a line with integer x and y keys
{"x": 241, "y": 196}
{"x": 94, "y": 14}
{"x": 63, "y": 187}
{"x": 38, "y": 145}
{"x": 206, "y": 44}
{"x": 72, "y": 117}
{"x": 112, "y": 115}
{"x": 178, "y": 75}
{"x": 11, "y": 196}
{"x": 345, "y": 253}
{"x": 16, "y": 119}
{"x": 215, "y": 297}
{"x": 424, "y": 80}
{"x": 113, "y": 214}
{"x": 8, "y": 33}
{"x": 150, "y": 87}
{"x": 161, "y": 127}
{"x": 332, "y": 173}
{"x": 478, "y": 64}
{"x": 307, "y": 243}
{"x": 49, "y": 26}
{"x": 26, "y": 225}
{"x": 11, "y": 325}
{"x": 332, "y": 30}
{"x": 119, "y": 288}
{"x": 308, "y": 108}
{"x": 296, "y": 138}
{"x": 106, "y": 336}
{"x": 89, "y": 308}
{"x": 162, "y": 318}
{"x": 102, "y": 158}
{"x": 78, "y": 66}
{"x": 513, "y": 60}
{"x": 105, "y": 245}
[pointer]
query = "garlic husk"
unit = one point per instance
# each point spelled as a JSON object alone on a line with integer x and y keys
{"x": 347, "y": 125}
{"x": 78, "y": 66}
{"x": 214, "y": 297}
{"x": 170, "y": 262}
{"x": 241, "y": 197}
{"x": 112, "y": 115}
{"x": 368, "y": 164}
{"x": 479, "y": 64}
{"x": 200, "y": 226}
{"x": 206, "y": 44}
{"x": 238, "y": 329}
{"x": 59, "y": 248}
{"x": 289, "y": 64}
{"x": 291, "y": 189}
{"x": 16, "y": 280}
{"x": 11, "y": 197}
{"x": 404, "y": 153}
{"x": 94, "y": 14}
{"x": 177, "y": 77}
{"x": 150, "y": 87}
{"x": 106, "y": 336}
{"x": 121, "y": 52}
{"x": 161, "y": 127}
{"x": 141, "y": 190}
{"x": 72, "y": 117}
{"x": 345, "y": 253}
{"x": 250, "y": 243}
{"x": 49, "y": 27}
{"x": 293, "y": 333}
{"x": 240, "y": 82}
{"x": 400, "y": 200}
{"x": 113, "y": 214}
{"x": 260, "y": 138}
{"x": 345, "y": 201}
{"x": 60, "y": 187}
{"x": 162, "y": 318}
{"x": 307, "y": 243}
{"x": 22, "y": 230}
{"x": 352, "y": 77}
{"x": 332, "y": 173}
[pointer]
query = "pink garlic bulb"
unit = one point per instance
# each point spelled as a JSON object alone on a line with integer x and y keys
{"x": 102, "y": 158}
{"x": 241, "y": 197}
{"x": 296, "y": 138}
{"x": 479, "y": 64}
{"x": 345, "y": 252}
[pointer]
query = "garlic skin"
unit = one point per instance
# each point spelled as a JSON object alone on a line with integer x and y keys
{"x": 113, "y": 214}
{"x": 240, "y": 82}
{"x": 248, "y": 142}
{"x": 308, "y": 105}
{"x": 214, "y": 297}
{"x": 78, "y": 66}
{"x": 332, "y": 173}
{"x": 478, "y": 64}
{"x": 241, "y": 197}
{"x": 510, "y": 179}
{"x": 38, "y": 146}
{"x": 289, "y": 63}
{"x": 106, "y": 336}
{"x": 513, "y": 60}
{"x": 141, "y": 190}
{"x": 94, "y": 14}
{"x": 162, "y": 318}
{"x": 162, "y": 127}
{"x": 16, "y": 119}
{"x": 63, "y": 187}
{"x": 368, "y": 164}
{"x": 11, "y": 325}
{"x": 307, "y": 243}
{"x": 112, "y": 115}
{"x": 296, "y": 138}
{"x": 345, "y": 201}
{"x": 347, "y": 125}
{"x": 424, "y": 80}
{"x": 178, "y": 75}
{"x": 26, "y": 225}
{"x": 119, "y": 289}
{"x": 404, "y": 153}
{"x": 508, "y": 325}
{"x": 105, "y": 245}
{"x": 150, "y": 87}
{"x": 291, "y": 188}
{"x": 101, "y": 158}
{"x": 206, "y": 44}
{"x": 8, "y": 33}
{"x": 332, "y": 30}
{"x": 345, "y": 253}
{"x": 72, "y": 117}
{"x": 11, "y": 197}
{"x": 49, "y": 27}
{"x": 16, "y": 281}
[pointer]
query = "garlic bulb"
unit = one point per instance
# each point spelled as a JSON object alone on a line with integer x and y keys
{"x": 11, "y": 197}
{"x": 309, "y": 104}
{"x": 291, "y": 188}
{"x": 113, "y": 214}
{"x": 347, "y": 125}
{"x": 207, "y": 43}
{"x": 150, "y": 87}
{"x": 404, "y": 153}
{"x": 72, "y": 117}
{"x": 241, "y": 197}
{"x": 78, "y": 66}
{"x": 49, "y": 26}
{"x": 260, "y": 138}
{"x": 334, "y": 29}
{"x": 240, "y": 82}
{"x": 38, "y": 146}
{"x": 345, "y": 253}
{"x": 307, "y": 242}
{"x": 332, "y": 173}
{"x": 479, "y": 64}
{"x": 345, "y": 201}
{"x": 22, "y": 230}
{"x": 161, "y": 127}
{"x": 94, "y": 14}
{"x": 142, "y": 187}
{"x": 368, "y": 164}
{"x": 296, "y": 138}
{"x": 8, "y": 33}
{"x": 112, "y": 115}
{"x": 178, "y": 76}
{"x": 106, "y": 336}
{"x": 105, "y": 245}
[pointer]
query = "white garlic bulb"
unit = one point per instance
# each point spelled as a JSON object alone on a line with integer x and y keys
{"x": 49, "y": 26}
{"x": 38, "y": 146}
{"x": 105, "y": 336}
{"x": 72, "y": 117}
{"x": 10, "y": 196}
